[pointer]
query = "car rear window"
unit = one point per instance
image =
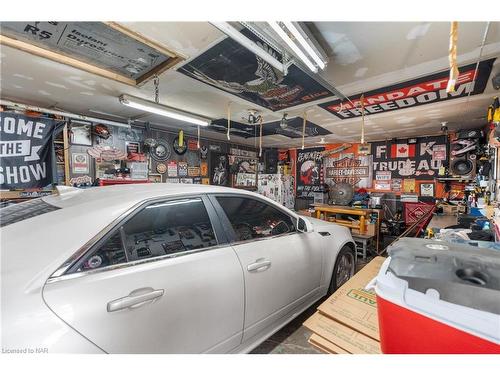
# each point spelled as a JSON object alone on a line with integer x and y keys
{"x": 24, "y": 210}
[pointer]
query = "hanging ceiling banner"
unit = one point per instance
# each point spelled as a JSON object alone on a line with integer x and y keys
{"x": 25, "y": 151}
{"x": 420, "y": 91}
{"x": 231, "y": 67}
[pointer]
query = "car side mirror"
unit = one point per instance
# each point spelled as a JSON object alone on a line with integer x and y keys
{"x": 301, "y": 225}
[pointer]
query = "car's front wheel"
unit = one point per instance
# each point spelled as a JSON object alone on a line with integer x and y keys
{"x": 343, "y": 269}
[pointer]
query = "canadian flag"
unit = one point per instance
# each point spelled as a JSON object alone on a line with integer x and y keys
{"x": 402, "y": 150}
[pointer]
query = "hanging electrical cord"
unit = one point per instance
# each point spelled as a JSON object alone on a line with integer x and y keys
{"x": 453, "y": 58}
{"x": 362, "y": 98}
{"x": 304, "y": 128}
{"x": 228, "y": 121}
{"x": 156, "y": 83}
{"x": 473, "y": 83}
{"x": 260, "y": 137}
{"x": 198, "y": 142}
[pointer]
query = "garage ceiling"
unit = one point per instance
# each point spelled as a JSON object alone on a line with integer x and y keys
{"x": 362, "y": 57}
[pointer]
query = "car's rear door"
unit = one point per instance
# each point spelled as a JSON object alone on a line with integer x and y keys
{"x": 163, "y": 281}
{"x": 282, "y": 266}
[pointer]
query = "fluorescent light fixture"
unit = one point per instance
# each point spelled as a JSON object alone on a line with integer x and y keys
{"x": 235, "y": 34}
{"x": 305, "y": 44}
{"x": 295, "y": 48}
{"x": 163, "y": 110}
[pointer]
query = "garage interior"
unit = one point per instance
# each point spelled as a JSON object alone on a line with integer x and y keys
{"x": 402, "y": 151}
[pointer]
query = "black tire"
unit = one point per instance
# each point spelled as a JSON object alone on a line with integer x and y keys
{"x": 343, "y": 269}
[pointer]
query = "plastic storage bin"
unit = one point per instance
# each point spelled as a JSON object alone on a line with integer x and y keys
{"x": 439, "y": 297}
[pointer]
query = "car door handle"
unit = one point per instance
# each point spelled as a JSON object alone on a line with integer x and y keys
{"x": 136, "y": 298}
{"x": 259, "y": 265}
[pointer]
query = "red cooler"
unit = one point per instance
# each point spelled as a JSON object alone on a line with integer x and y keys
{"x": 438, "y": 297}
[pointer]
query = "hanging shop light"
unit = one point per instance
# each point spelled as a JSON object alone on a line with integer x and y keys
{"x": 163, "y": 110}
{"x": 300, "y": 36}
{"x": 294, "y": 47}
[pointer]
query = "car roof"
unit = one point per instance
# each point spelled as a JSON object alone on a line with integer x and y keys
{"x": 130, "y": 194}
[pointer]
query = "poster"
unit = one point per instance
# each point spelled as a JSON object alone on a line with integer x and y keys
{"x": 383, "y": 176}
{"x": 383, "y": 185}
{"x": 132, "y": 147}
{"x": 420, "y": 91}
{"x": 172, "y": 168}
{"x": 396, "y": 185}
{"x": 25, "y": 151}
{"x": 182, "y": 168}
{"x": 233, "y": 68}
{"x": 427, "y": 189}
{"x": 219, "y": 174}
{"x": 405, "y": 160}
{"x": 409, "y": 185}
{"x": 439, "y": 152}
{"x": 204, "y": 168}
{"x": 193, "y": 171}
{"x": 309, "y": 172}
{"x": 79, "y": 163}
{"x": 355, "y": 170}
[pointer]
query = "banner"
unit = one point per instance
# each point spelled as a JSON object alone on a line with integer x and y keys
{"x": 25, "y": 151}
{"x": 233, "y": 68}
{"x": 424, "y": 90}
{"x": 309, "y": 172}
{"x": 419, "y": 160}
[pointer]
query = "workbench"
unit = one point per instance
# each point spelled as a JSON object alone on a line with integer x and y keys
{"x": 329, "y": 212}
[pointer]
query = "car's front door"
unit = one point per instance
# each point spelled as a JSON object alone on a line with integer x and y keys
{"x": 282, "y": 266}
{"x": 163, "y": 281}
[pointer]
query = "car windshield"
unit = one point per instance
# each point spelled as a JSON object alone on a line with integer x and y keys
{"x": 24, "y": 210}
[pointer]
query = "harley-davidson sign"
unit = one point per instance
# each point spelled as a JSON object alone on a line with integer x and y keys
{"x": 347, "y": 168}
{"x": 424, "y": 90}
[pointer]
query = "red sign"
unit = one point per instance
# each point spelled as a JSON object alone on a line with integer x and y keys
{"x": 429, "y": 89}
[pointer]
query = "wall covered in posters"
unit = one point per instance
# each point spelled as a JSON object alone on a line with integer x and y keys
{"x": 26, "y": 153}
{"x": 309, "y": 172}
{"x": 401, "y": 159}
{"x": 233, "y": 68}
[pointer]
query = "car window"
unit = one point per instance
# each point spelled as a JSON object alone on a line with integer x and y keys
{"x": 252, "y": 218}
{"x": 159, "y": 229}
{"x": 24, "y": 210}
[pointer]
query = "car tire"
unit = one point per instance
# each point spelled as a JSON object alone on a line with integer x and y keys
{"x": 343, "y": 269}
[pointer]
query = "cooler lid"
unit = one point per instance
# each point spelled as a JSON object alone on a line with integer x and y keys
{"x": 461, "y": 274}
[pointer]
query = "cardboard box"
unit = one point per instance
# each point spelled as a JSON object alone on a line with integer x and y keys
{"x": 354, "y": 306}
{"x": 341, "y": 336}
{"x": 325, "y": 346}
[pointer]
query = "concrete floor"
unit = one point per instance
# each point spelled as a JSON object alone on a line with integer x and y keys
{"x": 292, "y": 338}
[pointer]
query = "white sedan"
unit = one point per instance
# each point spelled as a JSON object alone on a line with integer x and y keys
{"x": 161, "y": 268}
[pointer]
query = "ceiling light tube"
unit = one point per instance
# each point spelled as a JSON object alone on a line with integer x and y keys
{"x": 163, "y": 110}
{"x": 295, "y": 48}
{"x": 235, "y": 34}
{"x": 306, "y": 45}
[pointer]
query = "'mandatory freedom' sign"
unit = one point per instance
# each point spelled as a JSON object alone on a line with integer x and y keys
{"x": 424, "y": 90}
{"x": 25, "y": 151}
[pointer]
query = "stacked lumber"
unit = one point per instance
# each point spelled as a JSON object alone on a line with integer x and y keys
{"x": 347, "y": 321}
